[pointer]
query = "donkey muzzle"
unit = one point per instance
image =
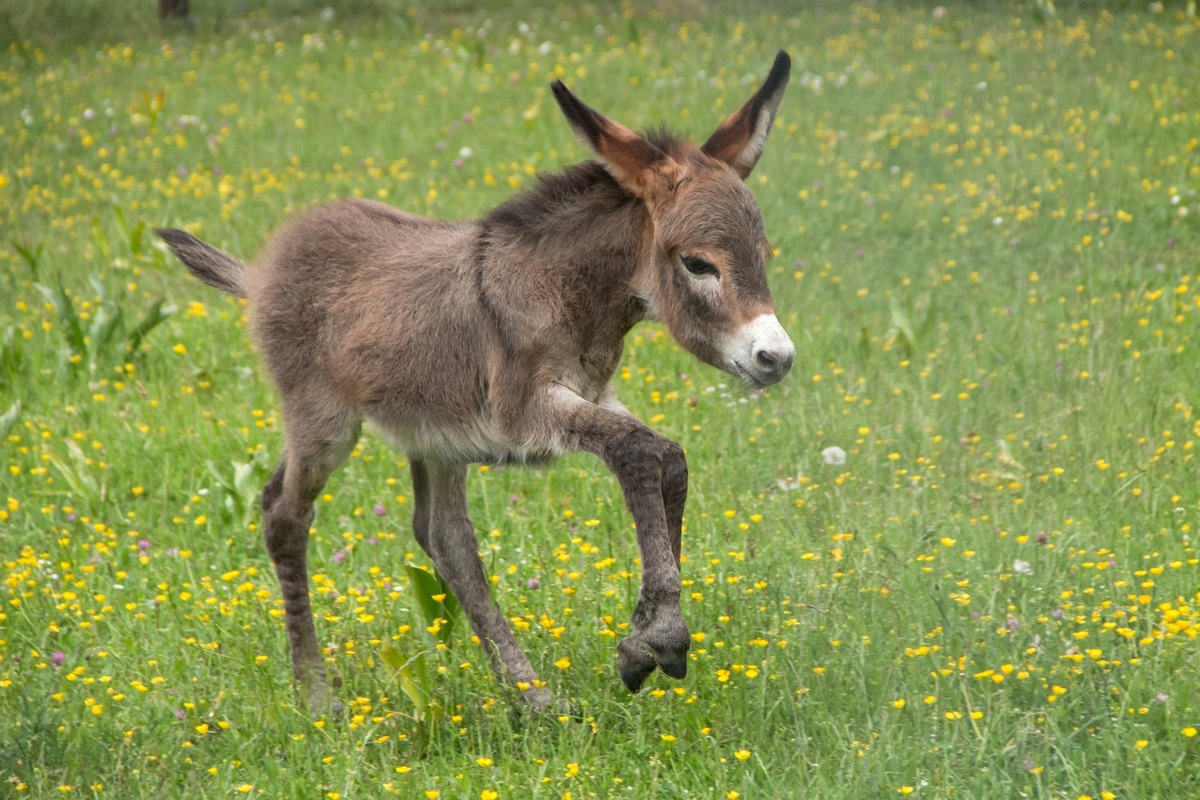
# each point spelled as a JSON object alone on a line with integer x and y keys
{"x": 761, "y": 353}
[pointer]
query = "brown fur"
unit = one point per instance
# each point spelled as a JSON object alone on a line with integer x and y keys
{"x": 495, "y": 341}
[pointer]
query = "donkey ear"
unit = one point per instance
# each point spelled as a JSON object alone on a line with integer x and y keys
{"x": 638, "y": 165}
{"x": 739, "y": 140}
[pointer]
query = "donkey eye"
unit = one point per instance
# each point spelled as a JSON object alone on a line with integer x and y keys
{"x": 699, "y": 266}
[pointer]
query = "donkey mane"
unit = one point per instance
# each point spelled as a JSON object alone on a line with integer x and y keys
{"x": 535, "y": 212}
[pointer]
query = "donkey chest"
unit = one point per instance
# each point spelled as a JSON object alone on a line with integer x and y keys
{"x": 587, "y": 373}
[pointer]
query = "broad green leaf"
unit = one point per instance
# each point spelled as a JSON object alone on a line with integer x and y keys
{"x": 435, "y": 599}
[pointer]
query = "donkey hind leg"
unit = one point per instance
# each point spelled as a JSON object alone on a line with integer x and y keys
{"x": 314, "y": 449}
{"x": 451, "y": 543}
{"x": 422, "y": 516}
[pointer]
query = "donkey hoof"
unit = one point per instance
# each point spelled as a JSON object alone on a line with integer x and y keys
{"x": 674, "y": 664}
{"x": 325, "y": 705}
{"x": 541, "y": 703}
{"x": 635, "y": 663}
{"x": 538, "y": 698}
{"x": 321, "y": 701}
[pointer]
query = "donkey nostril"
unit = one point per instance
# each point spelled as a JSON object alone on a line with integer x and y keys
{"x": 767, "y": 360}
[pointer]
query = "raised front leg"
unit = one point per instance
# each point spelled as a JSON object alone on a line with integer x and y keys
{"x": 449, "y": 538}
{"x": 652, "y": 472}
{"x": 646, "y": 464}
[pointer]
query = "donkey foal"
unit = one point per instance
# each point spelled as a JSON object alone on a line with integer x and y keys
{"x": 494, "y": 341}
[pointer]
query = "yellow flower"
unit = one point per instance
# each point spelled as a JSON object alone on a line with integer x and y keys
{"x": 741, "y": 755}
{"x": 1189, "y": 731}
{"x": 563, "y": 663}
{"x": 488, "y": 794}
{"x": 905, "y": 790}
{"x": 483, "y": 761}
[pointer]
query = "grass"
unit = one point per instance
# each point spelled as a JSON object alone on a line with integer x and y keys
{"x": 951, "y": 556}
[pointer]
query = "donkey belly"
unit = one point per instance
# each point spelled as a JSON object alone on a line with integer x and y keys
{"x": 477, "y": 444}
{"x": 439, "y": 401}
{"x": 474, "y": 410}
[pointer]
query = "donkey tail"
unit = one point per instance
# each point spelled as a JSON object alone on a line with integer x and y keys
{"x": 214, "y": 267}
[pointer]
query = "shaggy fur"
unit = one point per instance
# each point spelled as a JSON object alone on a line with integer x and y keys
{"x": 495, "y": 341}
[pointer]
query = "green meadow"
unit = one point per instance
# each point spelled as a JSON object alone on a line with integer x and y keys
{"x": 952, "y": 555}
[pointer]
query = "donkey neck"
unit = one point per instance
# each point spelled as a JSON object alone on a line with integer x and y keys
{"x": 558, "y": 271}
{"x": 577, "y": 241}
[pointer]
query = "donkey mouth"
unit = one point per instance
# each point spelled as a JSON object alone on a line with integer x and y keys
{"x": 751, "y": 382}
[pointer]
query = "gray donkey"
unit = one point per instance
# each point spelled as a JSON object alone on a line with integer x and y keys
{"x": 494, "y": 341}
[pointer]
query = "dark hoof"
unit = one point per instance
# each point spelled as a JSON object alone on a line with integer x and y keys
{"x": 635, "y": 663}
{"x": 321, "y": 701}
{"x": 673, "y": 664}
{"x": 538, "y": 699}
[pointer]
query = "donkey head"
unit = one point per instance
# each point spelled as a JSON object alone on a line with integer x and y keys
{"x": 707, "y": 277}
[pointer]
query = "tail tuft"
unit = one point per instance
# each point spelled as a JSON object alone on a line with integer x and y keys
{"x": 214, "y": 267}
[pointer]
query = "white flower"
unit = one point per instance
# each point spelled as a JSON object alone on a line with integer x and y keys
{"x": 1022, "y": 567}
{"x": 833, "y": 456}
{"x": 788, "y": 484}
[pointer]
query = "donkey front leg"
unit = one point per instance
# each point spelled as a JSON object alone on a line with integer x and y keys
{"x": 652, "y": 472}
{"x": 447, "y": 535}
